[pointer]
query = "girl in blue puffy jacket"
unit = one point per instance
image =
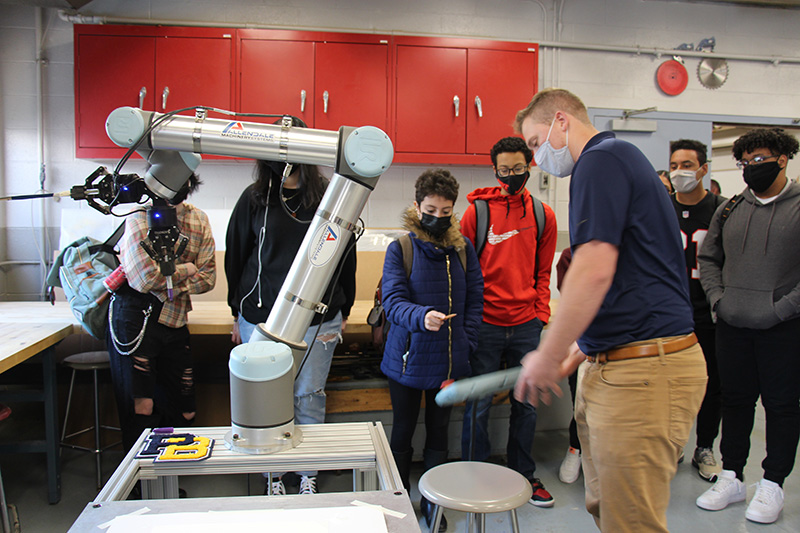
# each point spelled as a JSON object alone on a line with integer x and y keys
{"x": 435, "y": 311}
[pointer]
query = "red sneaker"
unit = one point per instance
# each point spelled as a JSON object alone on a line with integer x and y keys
{"x": 540, "y": 496}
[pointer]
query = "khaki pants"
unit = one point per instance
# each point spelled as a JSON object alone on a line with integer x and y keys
{"x": 634, "y": 418}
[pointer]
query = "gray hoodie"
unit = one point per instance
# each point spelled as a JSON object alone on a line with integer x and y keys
{"x": 751, "y": 272}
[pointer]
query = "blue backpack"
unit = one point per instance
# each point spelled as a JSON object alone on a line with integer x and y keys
{"x": 80, "y": 270}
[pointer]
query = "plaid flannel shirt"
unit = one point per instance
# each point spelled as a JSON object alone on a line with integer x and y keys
{"x": 143, "y": 273}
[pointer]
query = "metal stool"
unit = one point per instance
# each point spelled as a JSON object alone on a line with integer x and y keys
{"x": 5, "y": 412}
{"x": 93, "y": 361}
{"x": 475, "y": 488}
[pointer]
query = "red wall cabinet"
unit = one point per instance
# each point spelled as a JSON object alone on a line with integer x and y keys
{"x": 329, "y": 80}
{"x": 455, "y": 98}
{"x": 154, "y": 68}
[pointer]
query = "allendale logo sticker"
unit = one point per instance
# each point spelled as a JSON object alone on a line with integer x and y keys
{"x": 238, "y": 131}
{"x": 324, "y": 244}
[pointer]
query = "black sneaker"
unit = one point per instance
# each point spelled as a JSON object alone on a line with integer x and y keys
{"x": 540, "y": 496}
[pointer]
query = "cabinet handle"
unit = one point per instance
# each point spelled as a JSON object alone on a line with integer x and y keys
{"x": 164, "y": 96}
{"x": 142, "y": 94}
{"x": 479, "y": 106}
{"x": 457, "y": 103}
{"x": 325, "y": 102}
{"x": 303, "y": 101}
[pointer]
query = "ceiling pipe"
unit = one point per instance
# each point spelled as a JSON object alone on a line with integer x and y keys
{"x": 556, "y": 44}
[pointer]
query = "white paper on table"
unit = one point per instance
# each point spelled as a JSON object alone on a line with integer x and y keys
{"x": 318, "y": 520}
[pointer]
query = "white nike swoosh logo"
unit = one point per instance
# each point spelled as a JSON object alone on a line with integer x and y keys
{"x": 493, "y": 238}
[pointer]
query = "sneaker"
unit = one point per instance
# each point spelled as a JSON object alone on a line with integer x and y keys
{"x": 703, "y": 460}
{"x": 570, "y": 469}
{"x": 680, "y": 457}
{"x": 728, "y": 489}
{"x": 308, "y": 485}
{"x": 277, "y": 488}
{"x": 540, "y": 496}
{"x": 766, "y": 504}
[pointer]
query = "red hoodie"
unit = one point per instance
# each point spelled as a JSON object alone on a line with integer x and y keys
{"x": 513, "y": 292}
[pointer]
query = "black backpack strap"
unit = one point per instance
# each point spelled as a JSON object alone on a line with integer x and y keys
{"x": 735, "y": 200}
{"x": 481, "y": 225}
{"x": 111, "y": 242}
{"x": 538, "y": 212}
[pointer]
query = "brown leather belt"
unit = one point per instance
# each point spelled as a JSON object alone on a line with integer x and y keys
{"x": 650, "y": 349}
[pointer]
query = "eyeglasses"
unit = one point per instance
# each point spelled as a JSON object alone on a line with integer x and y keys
{"x": 757, "y": 160}
{"x": 518, "y": 170}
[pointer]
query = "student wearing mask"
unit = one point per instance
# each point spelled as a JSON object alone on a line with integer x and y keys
{"x": 433, "y": 298}
{"x": 694, "y": 207}
{"x": 516, "y": 261}
{"x": 267, "y": 227}
{"x": 750, "y": 271}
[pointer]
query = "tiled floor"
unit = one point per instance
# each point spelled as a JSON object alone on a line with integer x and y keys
{"x": 24, "y": 477}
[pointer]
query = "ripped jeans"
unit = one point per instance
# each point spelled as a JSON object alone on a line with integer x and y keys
{"x": 309, "y": 386}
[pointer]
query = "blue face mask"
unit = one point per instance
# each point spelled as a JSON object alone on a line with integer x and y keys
{"x": 559, "y": 162}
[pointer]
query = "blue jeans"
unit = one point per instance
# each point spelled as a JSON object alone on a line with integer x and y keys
{"x": 309, "y": 385}
{"x": 494, "y": 344}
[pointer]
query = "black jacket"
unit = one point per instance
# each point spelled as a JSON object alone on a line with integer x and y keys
{"x": 282, "y": 238}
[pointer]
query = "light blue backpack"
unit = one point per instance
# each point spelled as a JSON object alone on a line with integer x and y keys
{"x": 80, "y": 270}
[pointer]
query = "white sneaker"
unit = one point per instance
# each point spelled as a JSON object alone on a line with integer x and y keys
{"x": 570, "y": 469}
{"x": 766, "y": 504}
{"x": 277, "y": 488}
{"x": 725, "y": 491}
{"x": 308, "y": 485}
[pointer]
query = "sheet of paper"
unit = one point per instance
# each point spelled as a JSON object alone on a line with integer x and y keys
{"x": 320, "y": 520}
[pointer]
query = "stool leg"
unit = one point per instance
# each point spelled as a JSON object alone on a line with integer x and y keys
{"x": 4, "y": 507}
{"x": 437, "y": 517}
{"x": 482, "y": 522}
{"x": 514, "y": 522}
{"x": 470, "y": 522}
{"x": 98, "y": 466}
{"x": 69, "y": 402}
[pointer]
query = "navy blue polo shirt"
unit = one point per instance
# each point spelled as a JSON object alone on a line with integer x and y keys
{"x": 616, "y": 197}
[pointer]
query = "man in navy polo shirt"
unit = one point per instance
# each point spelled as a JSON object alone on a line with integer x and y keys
{"x": 625, "y": 300}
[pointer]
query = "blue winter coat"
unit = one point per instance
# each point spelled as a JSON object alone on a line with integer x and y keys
{"x": 414, "y": 356}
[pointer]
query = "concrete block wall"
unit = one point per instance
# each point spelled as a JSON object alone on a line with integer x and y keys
{"x": 602, "y": 79}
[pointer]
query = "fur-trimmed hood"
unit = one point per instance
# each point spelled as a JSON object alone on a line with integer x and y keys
{"x": 451, "y": 237}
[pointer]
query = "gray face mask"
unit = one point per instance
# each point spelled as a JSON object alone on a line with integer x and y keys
{"x": 559, "y": 162}
{"x": 683, "y": 181}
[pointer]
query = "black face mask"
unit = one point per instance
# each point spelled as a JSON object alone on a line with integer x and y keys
{"x": 436, "y": 226}
{"x": 513, "y": 183}
{"x": 760, "y": 177}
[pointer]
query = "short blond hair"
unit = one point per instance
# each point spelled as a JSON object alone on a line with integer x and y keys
{"x": 546, "y": 102}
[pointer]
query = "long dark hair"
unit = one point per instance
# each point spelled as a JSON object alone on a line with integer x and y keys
{"x": 312, "y": 183}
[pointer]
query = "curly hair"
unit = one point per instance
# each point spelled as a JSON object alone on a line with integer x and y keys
{"x": 777, "y": 141}
{"x": 690, "y": 144}
{"x": 512, "y": 145}
{"x": 438, "y": 182}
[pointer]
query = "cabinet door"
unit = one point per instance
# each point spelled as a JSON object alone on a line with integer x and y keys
{"x": 277, "y": 77}
{"x": 193, "y": 71}
{"x": 354, "y": 77}
{"x": 110, "y": 72}
{"x": 503, "y": 82}
{"x": 430, "y": 81}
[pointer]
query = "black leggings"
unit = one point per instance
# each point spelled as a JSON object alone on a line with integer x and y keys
{"x": 405, "y": 411}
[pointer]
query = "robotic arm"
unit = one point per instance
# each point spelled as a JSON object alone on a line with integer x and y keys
{"x": 358, "y": 155}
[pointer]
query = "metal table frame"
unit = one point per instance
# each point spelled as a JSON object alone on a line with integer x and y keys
{"x": 360, "y": 446}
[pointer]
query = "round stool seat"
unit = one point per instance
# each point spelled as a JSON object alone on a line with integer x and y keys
{"x": 475, "y": 487}
{"x": 88, "y": 360}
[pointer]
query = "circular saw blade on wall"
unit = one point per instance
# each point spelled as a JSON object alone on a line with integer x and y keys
{"x": 672, "y": 77}
{"x": 712, "y": 72}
